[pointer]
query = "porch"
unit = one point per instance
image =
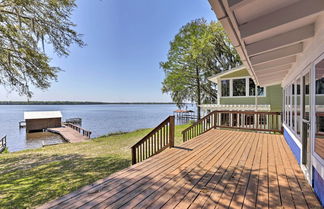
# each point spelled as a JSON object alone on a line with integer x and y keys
{"x": 217, "y": 169}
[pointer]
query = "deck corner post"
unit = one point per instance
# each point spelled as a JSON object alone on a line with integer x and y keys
{"x": 282, "y": 130}
{"x": 171, "y": 133}
{"x": 133, "y": 155}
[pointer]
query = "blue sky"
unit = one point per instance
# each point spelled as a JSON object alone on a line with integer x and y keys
{"x": 126, "y": 40}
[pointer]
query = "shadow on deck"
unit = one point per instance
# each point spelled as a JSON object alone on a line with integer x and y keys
{"x": 218, "y": 169}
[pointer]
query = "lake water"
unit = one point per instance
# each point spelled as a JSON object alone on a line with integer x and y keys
{"x": 100, "y": 119}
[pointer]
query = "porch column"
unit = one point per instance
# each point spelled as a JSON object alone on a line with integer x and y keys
{"x": 219, "y": 90}
{"x": 256, "y": 107}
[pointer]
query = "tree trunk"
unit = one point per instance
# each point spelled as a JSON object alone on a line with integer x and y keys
{"x": 198, "y": 93}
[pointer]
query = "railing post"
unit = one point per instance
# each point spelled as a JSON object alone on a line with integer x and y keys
{"x": 171, "y": 133}
{"x": 133, "y": 155}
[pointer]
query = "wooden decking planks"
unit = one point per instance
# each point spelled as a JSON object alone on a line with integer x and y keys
{"x": 219, "y": 169}
{"x": 69, "y": 134}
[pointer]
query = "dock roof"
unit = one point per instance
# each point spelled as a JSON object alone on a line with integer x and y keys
{"x": 42, "y": 115}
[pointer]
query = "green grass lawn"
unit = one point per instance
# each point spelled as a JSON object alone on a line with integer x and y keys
{"x": 33, "y": 177}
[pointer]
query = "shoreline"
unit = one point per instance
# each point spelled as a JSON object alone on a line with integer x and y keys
{"x": 82, "y": 103}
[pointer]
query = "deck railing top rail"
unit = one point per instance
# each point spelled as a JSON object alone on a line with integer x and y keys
{"x": 154, "y": 142}
{"x": 248, "y": 120}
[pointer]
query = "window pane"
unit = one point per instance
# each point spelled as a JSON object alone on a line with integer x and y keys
{"x": 289, "y": 105}
{"x": 225, "y": 88}
{"x": 286, "y": 106}
{"x": 292, "y": 106}
{"x": 298, "y": 107}
{"x": 239, "y": 87}
{"x": 319, "y": 137}
{"x": 320, "y": 86}
{"x": 260, "y": 91}
{"x": 251, "y": 87}
{"x": 307, "y": 97}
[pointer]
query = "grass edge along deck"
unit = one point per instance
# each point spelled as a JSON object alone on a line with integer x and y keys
{"x": 220, "y": 168}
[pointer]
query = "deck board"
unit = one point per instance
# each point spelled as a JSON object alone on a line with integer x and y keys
{"x": 218, "y": 169}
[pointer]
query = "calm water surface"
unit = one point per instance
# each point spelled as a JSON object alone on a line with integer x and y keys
{"x": 100, "y": 119}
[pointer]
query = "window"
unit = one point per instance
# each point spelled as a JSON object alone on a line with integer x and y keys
{"x": 298, "y": 106}
{"x": 320, "y": 86}
{"x": 293, "y": 106}
{"x": 289, "y": 105}
{"x": 252, "y": 89}
{"x": 225, "y": 88}
{"x": 239, "y": 87}
{"x": 284, "y": 105}
{"x": 319, "y": 101}
{"x": 261, "y": 91}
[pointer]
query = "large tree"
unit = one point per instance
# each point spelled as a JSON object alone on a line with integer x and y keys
{"x": 25, "y": 27}
{"x": 198, "y": 51}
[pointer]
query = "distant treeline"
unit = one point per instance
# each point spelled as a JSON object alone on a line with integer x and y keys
{"x": 72, "y": 103}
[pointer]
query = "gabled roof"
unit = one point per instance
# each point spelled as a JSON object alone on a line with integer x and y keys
{"x": 215, "y": 77}
{"x": 42, "y": 115}
{"x": 269, "y": 35}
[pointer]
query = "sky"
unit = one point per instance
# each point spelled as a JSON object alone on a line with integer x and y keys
{"x": 126, "y": 40}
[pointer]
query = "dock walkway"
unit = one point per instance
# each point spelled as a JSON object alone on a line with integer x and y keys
{"x": 69, "y": 134}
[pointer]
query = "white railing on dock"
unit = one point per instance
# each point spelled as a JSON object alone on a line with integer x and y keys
{"x": 3, "y": 143}
{"x": 79, "y": 129}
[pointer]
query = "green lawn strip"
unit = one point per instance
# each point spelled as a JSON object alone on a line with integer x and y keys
{"x": 33, "y": 177}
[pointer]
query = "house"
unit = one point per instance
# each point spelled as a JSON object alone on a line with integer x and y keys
{"x": 38, "y": 121}
{"x": 281, "y": 42}
{"x": 237, "y": 92}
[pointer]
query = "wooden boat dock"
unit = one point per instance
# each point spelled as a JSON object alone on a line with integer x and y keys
{"x": 72, "y": 133}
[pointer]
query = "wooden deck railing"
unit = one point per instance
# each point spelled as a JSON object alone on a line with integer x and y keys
{"x": 201, "y": 126}
{"x": 3, "y": 143}
{"x": 155, "y": 142}
{"x": 248, "y": 120}
{"x": 79, "y": 129}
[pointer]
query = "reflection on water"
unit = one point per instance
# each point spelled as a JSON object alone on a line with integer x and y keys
{"x": 38, "y": 139}
{"x": 100, "y": 119}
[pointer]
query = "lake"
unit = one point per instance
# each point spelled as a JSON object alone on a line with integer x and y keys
{"x": 100, "y": 119}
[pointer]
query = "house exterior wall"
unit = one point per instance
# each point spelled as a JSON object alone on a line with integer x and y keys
{"x": 40, "y": 124}
{"x": 312, "y": 51}
{"x": 273, "y": 94}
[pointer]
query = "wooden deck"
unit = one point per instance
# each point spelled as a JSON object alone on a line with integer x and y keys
{"x": 219, "y": 169}
{"x": 69, "y": 134}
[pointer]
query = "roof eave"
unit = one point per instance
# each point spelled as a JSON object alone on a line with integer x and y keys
{"x": 231, "y": 28}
